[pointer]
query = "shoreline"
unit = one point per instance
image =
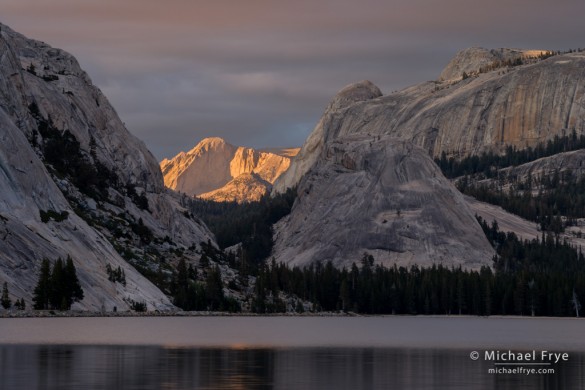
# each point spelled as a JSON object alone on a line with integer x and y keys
{"x": 129, "y": 314}
{"x": 124, "y": 314}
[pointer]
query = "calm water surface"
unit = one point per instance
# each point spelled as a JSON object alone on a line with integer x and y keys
{"x": 305, "y": 353}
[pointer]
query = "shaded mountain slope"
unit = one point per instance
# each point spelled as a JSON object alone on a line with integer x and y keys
{"x": 74, "y": 182}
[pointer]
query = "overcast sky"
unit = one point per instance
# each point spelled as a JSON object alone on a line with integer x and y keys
{"x": 260, "y": 72}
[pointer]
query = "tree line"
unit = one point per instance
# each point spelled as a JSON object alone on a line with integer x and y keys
{"x": 488, "y": 164}
{"x": 559, "y": 198}
{"x": 191, "y": 295}
{"x": 542, "y": 277}
{"x": 248, "y": 223}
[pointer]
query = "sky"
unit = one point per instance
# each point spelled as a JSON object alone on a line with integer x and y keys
{"x": 260, "y": 73}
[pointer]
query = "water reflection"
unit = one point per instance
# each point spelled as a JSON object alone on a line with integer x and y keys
{"x": 132, "y": 367}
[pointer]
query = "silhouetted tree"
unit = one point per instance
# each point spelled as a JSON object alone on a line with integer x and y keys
{"x": 74, "y": 292}
{"x": 59, "y": 288}
{"x": 43, "y": 289}
{"x": 181, "y": 286}
{"x": 214, "y": 289}
{"x": 5, "y": 300}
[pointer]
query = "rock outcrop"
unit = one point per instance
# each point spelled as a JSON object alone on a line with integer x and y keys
{"x": 383, "y": 196}
{"x": 523, "y": 228}
{"x": 217, "y": 170}
{"x": 571, "y": 163}
{"x": 247, "y": 187}
{"x": 476, "y": 59}
{"x": 520, "y": 105}
{"x": 309, "y": 153}
{"x": 74, "y": 182}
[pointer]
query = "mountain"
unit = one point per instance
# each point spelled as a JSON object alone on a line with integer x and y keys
{"x": 520, "y": 103}
{"x": 74, "y": 182}
{"x": 381, "y": 196}
{"x": 365, "y": 179}
{"x": 239, "y": 174}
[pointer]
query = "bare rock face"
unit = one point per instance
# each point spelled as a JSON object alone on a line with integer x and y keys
{"x": 247, "y": 187}
{"x": 521, "y": 106}
{"x": 74, "y": 182}
{"x": 567, "y": 165}
{"x": 472, "y": 60}
{"x": 382, "y": 196}
{"x": 356, "y": 93}
{"x": 212, "y": 170}
{"x": 572, "y": 163}
{"x": 52, "y": 78}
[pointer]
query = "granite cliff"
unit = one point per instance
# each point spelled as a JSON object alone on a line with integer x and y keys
{"x": 366, "y": 182}
{"x": 522, "y": 104}
{"x": 74, "y": 182}
{"x": 383, "y": 196}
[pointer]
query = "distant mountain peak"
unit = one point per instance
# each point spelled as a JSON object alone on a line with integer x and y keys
{"x": 190, "y": 172}
{"x": 212, "y": 142}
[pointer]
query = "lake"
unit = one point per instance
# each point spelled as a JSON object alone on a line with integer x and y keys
{"x": 286, "y": 353}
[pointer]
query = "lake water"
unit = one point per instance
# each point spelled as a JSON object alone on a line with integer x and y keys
{"x": 284, "y": 353}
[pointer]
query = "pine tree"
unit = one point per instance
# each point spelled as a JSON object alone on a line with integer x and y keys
{"x": 20, "y": 304}
{"x": 74, "y": 292}
{"x": 192, "y": 272}
{"x": 182, "y": 274}
{"x": 204, "y": 261}
{"x": 57, "y": 296}
{"x": 299, "y": 307}
{"x": 43, "y": 288}
{"x": 57, "y": 289}
{"x": 259, "y": 301}
{"x": 181, "y": 285}
{"x": 344, "y": 295}
{"x": 214, "y": 289}
{"x": 461, "y": 298}
{"x": 5, "y": 300}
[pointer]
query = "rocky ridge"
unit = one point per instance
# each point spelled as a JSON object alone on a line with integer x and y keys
{"x": 572, "y": 163}
{"x": 239, "y": 174}
{"x": 246, "y": 187}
